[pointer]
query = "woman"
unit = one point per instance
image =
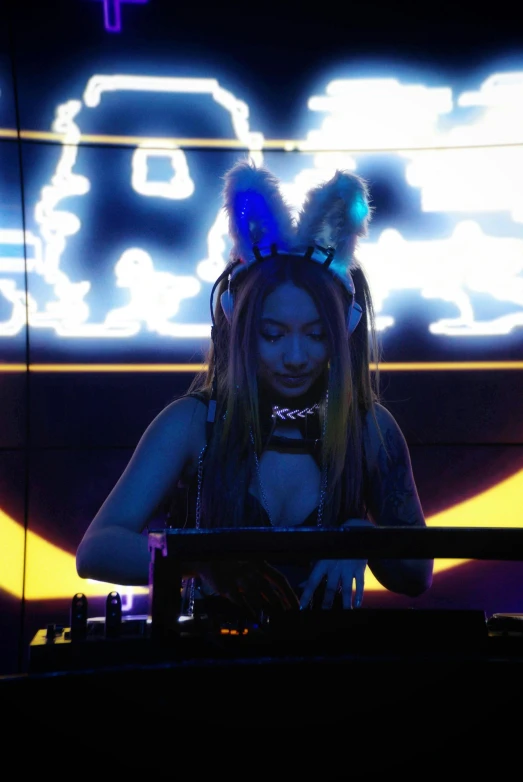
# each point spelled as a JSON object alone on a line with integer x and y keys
{"x": 285, "y": 427}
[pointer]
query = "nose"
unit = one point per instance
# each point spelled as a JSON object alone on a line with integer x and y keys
{"x": 296, "y": 355}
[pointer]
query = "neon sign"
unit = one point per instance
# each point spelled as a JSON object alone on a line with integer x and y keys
{"x": 464, "y": 169}
{"x": 113, "y": 13}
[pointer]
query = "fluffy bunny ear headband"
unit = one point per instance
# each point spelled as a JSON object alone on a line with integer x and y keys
{"x": 332, "y": 218}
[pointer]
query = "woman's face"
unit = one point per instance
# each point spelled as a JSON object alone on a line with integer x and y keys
{"x": 292, "y": 343}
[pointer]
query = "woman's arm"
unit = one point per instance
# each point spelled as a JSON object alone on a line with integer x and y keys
{"x": 114, "y": 548}
{"x": 394, "y": 501}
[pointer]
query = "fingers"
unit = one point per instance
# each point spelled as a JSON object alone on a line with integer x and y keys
{"x": 312, "y": 584}
{"x": 360, "y": 587}
{"x": 343, "y": 576}
{"x": 346, "y": 594}
{"x": 331, "y": 587}
{"x": 352, "y": 584}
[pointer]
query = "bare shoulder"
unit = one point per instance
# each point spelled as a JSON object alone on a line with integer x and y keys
{"x": 384, "y": 439}
{"x": 181, "y": 422}
{"x": 384, "y": 417}
{"x": 166, "y": 452}
{"x": 393, "y": 495}
{"x": 182, "y": 412}
{"x": 168, "y": 448}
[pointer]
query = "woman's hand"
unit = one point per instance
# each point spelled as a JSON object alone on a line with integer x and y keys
{"x": 254, "y": 586}
{"x": 346, "y": 576}
{"x": 339, "y": 575}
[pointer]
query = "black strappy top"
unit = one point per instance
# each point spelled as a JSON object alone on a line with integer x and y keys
{"x": 256, "y": 512}
{"x": 182, "y": 509}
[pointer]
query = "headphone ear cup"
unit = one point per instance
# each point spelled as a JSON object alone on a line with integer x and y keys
{"x": 227, "y": 302}
{"x": 355, "y": 313}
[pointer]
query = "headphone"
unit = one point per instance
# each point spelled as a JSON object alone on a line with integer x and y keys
{"x": 354, "y": 314}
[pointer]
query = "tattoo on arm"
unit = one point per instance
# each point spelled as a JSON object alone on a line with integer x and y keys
{"x": 397, "y": 498}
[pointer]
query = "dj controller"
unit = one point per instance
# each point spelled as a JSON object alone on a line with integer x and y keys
{"x": 216, "y": 634}
{"x": 410, "y": 679}
{"x": 213, "y": 631}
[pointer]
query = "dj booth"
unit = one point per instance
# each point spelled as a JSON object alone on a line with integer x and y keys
{"x": 424, "y": 673}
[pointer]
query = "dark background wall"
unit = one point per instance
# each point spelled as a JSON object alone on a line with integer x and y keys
{"x": 113, "y": 139}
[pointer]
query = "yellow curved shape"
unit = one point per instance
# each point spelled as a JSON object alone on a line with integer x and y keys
{"x": 51, "y": 574}
{"x": 12, "y": 545}
{"x": 498, "y": 506}
{"x": 51, "y": 571}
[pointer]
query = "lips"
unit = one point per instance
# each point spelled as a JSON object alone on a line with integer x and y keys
{"x": 293, "y": 380}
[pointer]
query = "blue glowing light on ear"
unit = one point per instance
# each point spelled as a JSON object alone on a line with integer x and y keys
{"x": 359, "y": 209}
{"x": 256, "y": 221}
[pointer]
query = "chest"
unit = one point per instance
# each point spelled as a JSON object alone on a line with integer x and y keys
{"x": 287, "y": 485}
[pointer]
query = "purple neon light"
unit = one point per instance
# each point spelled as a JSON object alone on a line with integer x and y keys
{"x": 113, "y": 13}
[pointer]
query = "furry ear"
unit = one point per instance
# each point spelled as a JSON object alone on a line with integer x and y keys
{"x": 257, "y": 212}
{"x": 334, "y": 214}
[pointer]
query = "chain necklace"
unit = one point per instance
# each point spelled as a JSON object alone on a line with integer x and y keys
{"x": 190, "y": 586}
{"x": 282, "y": 413}
{"x": 323, "y": 490}
{"x": 198, "y": 518}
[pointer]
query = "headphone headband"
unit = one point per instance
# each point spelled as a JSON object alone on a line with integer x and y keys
{"x": 316, "y": 254}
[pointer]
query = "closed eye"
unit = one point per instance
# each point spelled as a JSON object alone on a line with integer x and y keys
{"x": 317, "y": 337}
{"x": 271, "y": 337}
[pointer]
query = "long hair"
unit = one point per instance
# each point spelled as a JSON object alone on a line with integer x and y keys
{"x": 232, "y": 362}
